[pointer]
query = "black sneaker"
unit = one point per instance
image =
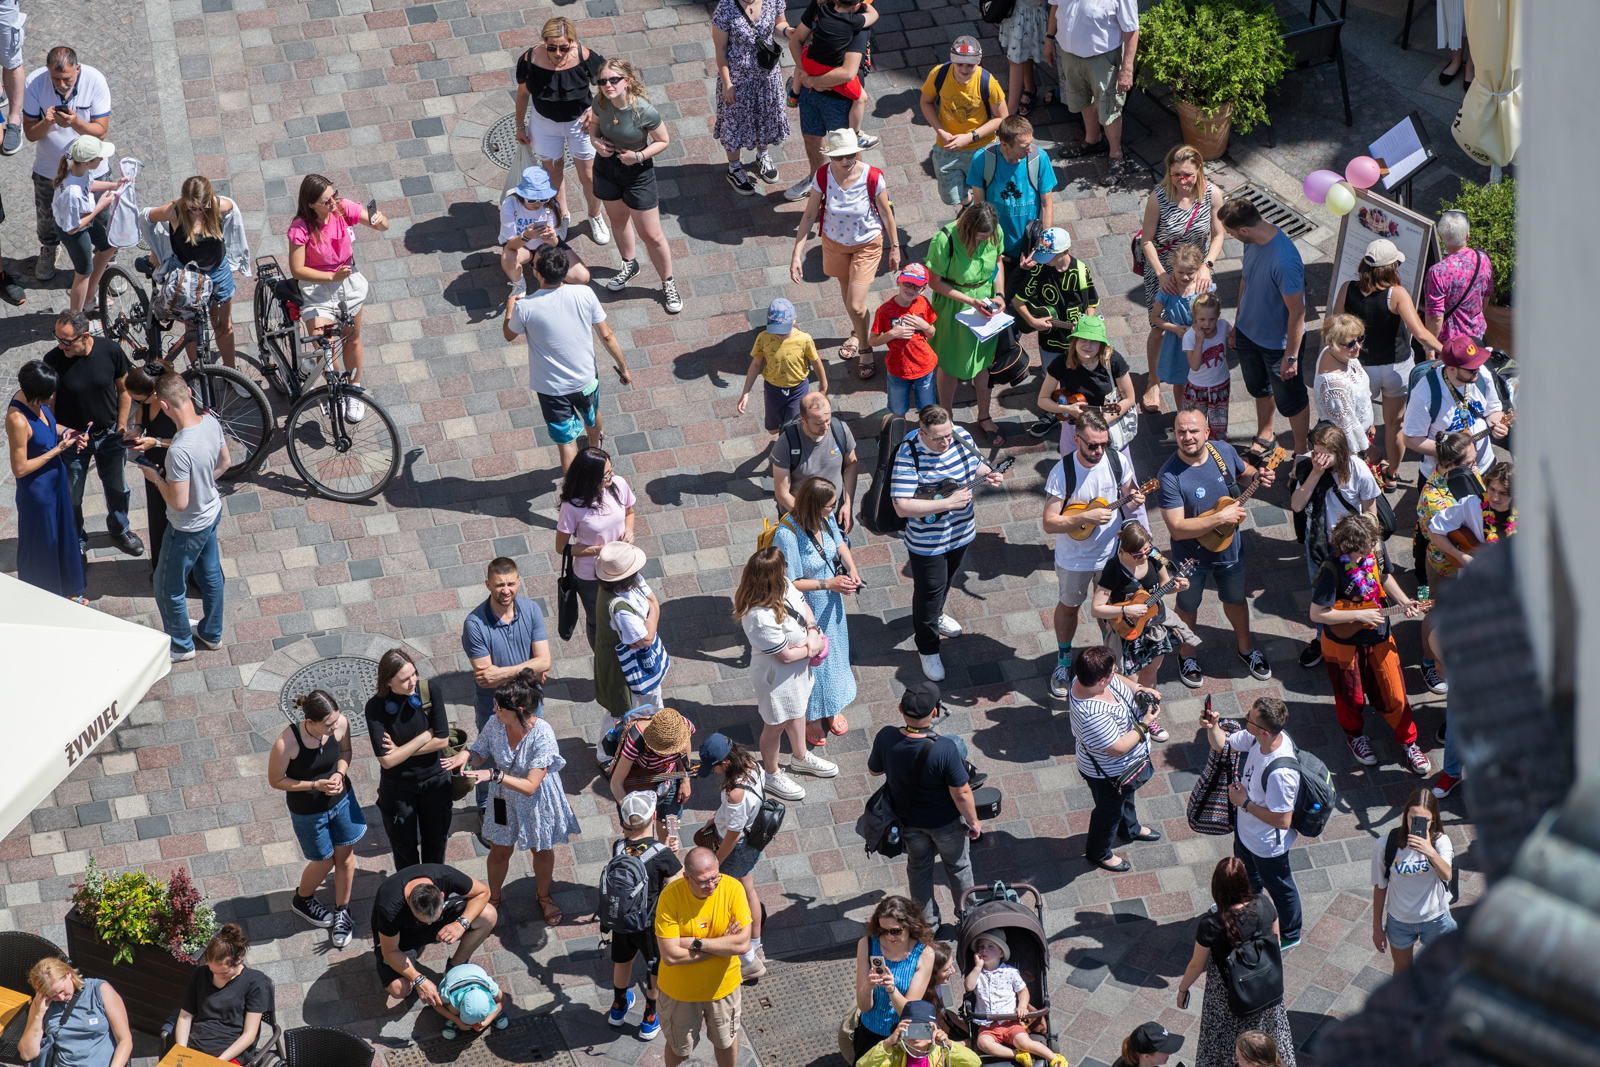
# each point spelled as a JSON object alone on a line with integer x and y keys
{"x": 10, "y": 291}
{"x": 1043, "y": 427}
{"x": 1434, "y": 680}
{"x": 343, "y": 927}
{"x": 1257, "y": 664}
{"x": 1189, "y": 672}
{"x": 619, "y": 281}
{"x": 767, "y": 169}
{"x": 1311, "y": 655}
{"x": 311, "y": 910}
{"x": 741, "y": 182}
{"x": 1438, "y": 735}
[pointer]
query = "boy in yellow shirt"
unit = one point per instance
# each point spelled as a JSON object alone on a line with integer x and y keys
{"x": 964, "y": 105}
{"x": 785, "y": 357}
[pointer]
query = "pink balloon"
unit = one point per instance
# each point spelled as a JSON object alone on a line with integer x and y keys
{"x": 1317, "y": 184}
{"x": 1363, "y": 172}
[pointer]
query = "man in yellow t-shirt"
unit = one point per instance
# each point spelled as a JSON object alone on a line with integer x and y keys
{"x": 964, "y": 104}
{"x": 785, "y": 357}
{"x": 702, "y": 926}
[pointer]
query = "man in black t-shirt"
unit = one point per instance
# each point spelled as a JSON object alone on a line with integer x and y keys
{"x": 92, "y": 396}
{"x": 418, "y": 906}
{"x": 936, "y": 811}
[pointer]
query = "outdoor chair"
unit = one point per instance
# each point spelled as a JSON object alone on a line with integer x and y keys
{"x": 1313, "y": 43}
{"x": 326, "y": 1046}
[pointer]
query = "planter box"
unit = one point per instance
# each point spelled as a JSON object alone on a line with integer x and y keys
{"x": 152, "y": 985}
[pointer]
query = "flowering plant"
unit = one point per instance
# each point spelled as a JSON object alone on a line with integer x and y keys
{"x": 132, "y": 909}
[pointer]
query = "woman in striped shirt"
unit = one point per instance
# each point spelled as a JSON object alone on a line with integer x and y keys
{"x": 1113, "y": 752}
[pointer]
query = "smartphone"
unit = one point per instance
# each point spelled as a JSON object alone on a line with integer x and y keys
{"x": 499, "y": 811}
{"x": 919, "y": 1032}
{"x": 143, "y": 460}
{"x": 1183, "y": 1001}
{"x": 878, "y": 964}
{"x": 1419, "y": 826}
{"x": 372, "y": 208}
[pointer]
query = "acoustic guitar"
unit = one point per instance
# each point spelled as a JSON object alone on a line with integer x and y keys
{"x": 1084, "y": 531}
{"x": 951, "y": 486}
{"x": 1108, "y": 408}
{"x": 1219, "y": 537}
{"x": 1130, "y": 629}
{"x": 1350, "y": 629}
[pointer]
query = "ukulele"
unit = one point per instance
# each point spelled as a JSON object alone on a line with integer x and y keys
{"x": 650, "y": 782}
{"x": 1350, "y": 629}
{"x": 1508, "y": 417}
{"x": 1108, "y": 408}
{"x": 1221, "y": 536}
{"x": 950, "y": 487}
{"x": 1130, "y": 629}
{"x": 1084, "y": 531}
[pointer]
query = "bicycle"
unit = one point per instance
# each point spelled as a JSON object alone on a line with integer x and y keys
{"x": 228, "y": 395}
{"x": 339, "y": 458}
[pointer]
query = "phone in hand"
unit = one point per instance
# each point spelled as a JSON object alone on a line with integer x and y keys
{"x": 143, "y": 460}
{"x": 919, "y": 1032}
{"x": 372, "y": 208}
{"x": 1183, "y": 1000}
{"x": 878, "y": 964}
{"x": 1419, "y": 826}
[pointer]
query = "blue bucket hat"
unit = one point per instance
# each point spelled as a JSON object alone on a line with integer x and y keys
{"x": 535, "y": 185}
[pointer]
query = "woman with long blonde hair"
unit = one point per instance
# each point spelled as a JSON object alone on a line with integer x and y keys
{"x": 557, "y": 78}
{"x": 196, "y": 220}
{"x": 1180, "y": 210}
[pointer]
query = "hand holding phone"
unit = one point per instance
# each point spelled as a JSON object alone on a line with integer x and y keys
{"x": 879, "y": 965}
{"x": 919, "y": 1032}
{"x": 1419, "y": 826}
{"x": 1183, "y": 1000}
{"x": 143, "y": 460}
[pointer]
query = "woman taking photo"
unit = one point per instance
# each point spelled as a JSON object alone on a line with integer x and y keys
{"x": 1343, "y": 389}
{"x": 221, "y": 1013}
{"x": 856, "y": 221}
{"x": 784, "y": 639}
{"x": 1135, "y": 567}
{"x": 408, "y": 738}
{"x": 596, "y": 509}
{"x": 738, "y": 801}
{"x": 818, "y": 562}
{"x": 322, "y": 257}
{"x": 528, "y": 809}
{"x": 81, "y": 1020}
{"x": 1180, "y": 210}
{"x": 557, "y": 78}
{"x": 196, "y": 219}
{"x": 47, "y": 540}
{"x": 1376, "y": 297}
{"x": 897, "y": 934}
{"x": 1239, "y": 915}
{"x": 310, "y": 762}
{"x": 965, "y": 271}
{"x": 628, "y": 134}
{"x": 750, "y": 97}
{"x": 1411, "y": 881}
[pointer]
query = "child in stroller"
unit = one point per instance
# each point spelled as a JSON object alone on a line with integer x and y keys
{"x": 1000, "y": 1003}
{"x": 1012, "y": 933}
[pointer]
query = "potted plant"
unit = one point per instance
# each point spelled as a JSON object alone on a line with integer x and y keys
{"x": 1491, "y": 212}
{"x": 1220, "y": 58}
{"x": 140, "y": 934}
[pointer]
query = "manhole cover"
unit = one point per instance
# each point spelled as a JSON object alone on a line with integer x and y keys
{"x": 1272, "y": 209}
{"x": 530, "y": 1039}
{"x": 350, "y": 680}
{"x": 782, "y": 1012}
{"x": 500, "y": 143}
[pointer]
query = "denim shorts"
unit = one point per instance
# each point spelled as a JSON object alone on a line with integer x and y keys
{"x": 950, "y": 171}
{"x": 821, "y": 112}
{"x": 741, "y": 861}
{"x": 1229, "y": 579}
{"x": 339, "y": 827}
{"x": 1404, "y": 935}
{"x": 911, "y": 394}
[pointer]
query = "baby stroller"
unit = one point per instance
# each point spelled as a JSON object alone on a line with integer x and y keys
{"x": 1000, "y": 907}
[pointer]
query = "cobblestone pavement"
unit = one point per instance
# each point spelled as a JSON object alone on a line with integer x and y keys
{"x": 391, "y": 101}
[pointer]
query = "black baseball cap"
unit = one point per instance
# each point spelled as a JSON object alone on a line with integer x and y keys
{"x": 918, "y": 1011}
{"x": 1153, "y": 1037}
{"x": 920, "y": 701}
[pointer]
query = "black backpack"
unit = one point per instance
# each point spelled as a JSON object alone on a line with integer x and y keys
{"x": 877, "y": 507}
{"x": 767, "y": 822}
{"x": 995, "y": 12}
{"x": 625, "y": 903}
{"x": 1313, "y": 803}
{"x": 879, "y": 825}
{"x": 1254, "y": 972}
{"x": 791, "y": 438}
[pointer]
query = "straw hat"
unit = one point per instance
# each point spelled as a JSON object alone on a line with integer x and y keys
{"x": 667, "y": 733}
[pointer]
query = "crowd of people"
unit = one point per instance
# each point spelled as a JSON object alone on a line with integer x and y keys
{"x": 694, "y": 915}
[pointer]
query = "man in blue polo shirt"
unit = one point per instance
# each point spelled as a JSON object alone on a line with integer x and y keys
{"x": 503, "y": 636}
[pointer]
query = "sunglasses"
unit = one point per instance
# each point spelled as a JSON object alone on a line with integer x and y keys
{"x": 558, "y": 49}
{"x": 891, "y": 931}
{"x": 1141, "y": 554}
{"x": 612, "y": 81}
{"x": 1090, "y": 446}
{"x": 329, "y": 201}
{"x": 1356, "y": 342}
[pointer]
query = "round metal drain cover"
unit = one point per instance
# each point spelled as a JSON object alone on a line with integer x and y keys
{"x": 500, "y": 143}
{"x": 350, "y": 680}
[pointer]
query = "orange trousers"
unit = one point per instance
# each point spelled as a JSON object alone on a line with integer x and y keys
{"x": 1372, "y": 674}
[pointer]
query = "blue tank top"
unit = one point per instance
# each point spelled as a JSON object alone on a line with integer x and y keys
{"x": 881, "y": 1017}
{"x": 86, "y": 1039}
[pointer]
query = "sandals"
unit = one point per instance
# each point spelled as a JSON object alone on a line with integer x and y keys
{"x": 839, "y": 726}
{"x": 1258, "y": 450}
{"x": 849, "y": 348}
{"x": 1047, "y": 97}
{"x": 866, "y": 370}
{"x": 996, "y": 438}
{"x": 815, "y": 739}
{"x": 552, "y": 914}
{"x": 1025, "y": 102}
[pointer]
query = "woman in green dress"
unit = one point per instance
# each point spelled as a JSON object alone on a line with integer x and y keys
{"x": 964, "y": 271}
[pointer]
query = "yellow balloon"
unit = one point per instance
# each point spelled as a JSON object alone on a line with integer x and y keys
{"x": 1340, "y": 199}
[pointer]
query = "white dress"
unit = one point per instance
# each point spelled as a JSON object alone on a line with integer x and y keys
{"x": 783, "y": 690}
{"x": 1022, "y": 32}
{"x": 1344, "y": 398}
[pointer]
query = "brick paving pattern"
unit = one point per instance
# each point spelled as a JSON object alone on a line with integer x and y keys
{"x": 391, "y": 101}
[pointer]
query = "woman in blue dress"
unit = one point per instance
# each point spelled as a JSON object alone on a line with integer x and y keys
{"x": 516, "y": 753}
{"x": 47, "y": 540}
{"x": 820, "y": 565}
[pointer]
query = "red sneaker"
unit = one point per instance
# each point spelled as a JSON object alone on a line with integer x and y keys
{"x": 1445, "y": 786}
{"x": 1361, "y": 748}
{"x": 1418, "y": 760}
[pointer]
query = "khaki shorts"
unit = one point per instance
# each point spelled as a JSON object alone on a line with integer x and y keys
{"x": 1074, "y": 587}
{"x": 1092, "y": 80}
{"x": 683, "y": 1020}
{"x": 858, "y": 263}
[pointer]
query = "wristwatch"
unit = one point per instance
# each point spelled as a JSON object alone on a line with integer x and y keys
{"x": 1209, "y": 264}
{"x": 466, "y": 923}
{"x": 696, "y": 945}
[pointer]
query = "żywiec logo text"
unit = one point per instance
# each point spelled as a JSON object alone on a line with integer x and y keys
{"x": 98, "y": 727}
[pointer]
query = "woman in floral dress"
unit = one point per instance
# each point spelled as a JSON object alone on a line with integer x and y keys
{"x": 750, "y": 100}
{"x": 516, "y": 753}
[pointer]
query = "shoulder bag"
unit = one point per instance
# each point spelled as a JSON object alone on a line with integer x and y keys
{"x": 566, "y": 597}
{"x": 55, "y": 1042}
{"x": 768, "y": 51}
{"x": 1135, "y": 770}
{"x": 1209, "y": 810}
{"x": 1138, "y": 237}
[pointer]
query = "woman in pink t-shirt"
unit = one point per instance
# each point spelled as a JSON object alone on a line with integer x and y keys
{"x": 322, "y": 259}
{"x": 596, "y": 509}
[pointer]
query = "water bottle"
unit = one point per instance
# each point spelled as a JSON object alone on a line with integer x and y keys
{"x": 894, "y": 835}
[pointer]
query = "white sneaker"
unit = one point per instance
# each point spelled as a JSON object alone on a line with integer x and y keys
{"x": 932, "y": 667}
{"x": 519, "y": 288}
{"x": 783, "y": 787}
{"x": 814, "y": 765}
{"x": 240, "y": 391}
{"x": 948, "y": 627}
{"x": 599, "y": 229}
{"x": 799, "y": 190}
{"x": 354, "y": 409}
{"x": 561, "y": 230}
{"x": 180, "y": 657}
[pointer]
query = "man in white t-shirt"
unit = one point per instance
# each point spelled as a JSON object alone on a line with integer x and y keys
{"x": 1096, "y": 474}
{"x": 1467, "y": 400}
{"x": 61, "y": 102}
{"x": 560, "y": 322}
{"x": 1265, "y": 803}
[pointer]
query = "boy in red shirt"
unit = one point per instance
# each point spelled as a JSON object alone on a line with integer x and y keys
{"x": 905, "y": 322}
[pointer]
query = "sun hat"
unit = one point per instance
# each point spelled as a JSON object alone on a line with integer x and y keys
{"x": 637, "y": 809}
{"x": 617, "y": 560}
{"x": 1153, "y": 1037}
{"x": 667, "y": 732}
{"x": 88, "y": 147}
{"x": 841, "y": 143}
{"x": 1382, "y": 252}
{"x": 1055, "y": 240}
{"x": 1090, "y": 328}
{"x": 713, "y": 750}
{"x": 966, "y": 50}
{"x": 471, "y": 991}
{"x": 780, "y": 316}
{"x": 915, "y": 273}
{"x": 1463, "y": 352}
{"x": 1000, "y": 942}
{"x": 535, "y": 185}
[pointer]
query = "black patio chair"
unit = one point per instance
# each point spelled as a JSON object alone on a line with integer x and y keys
{"x": 1314, "y": 43}
{"x": 18, "y": 953}
{"x": 325, "y": 1046}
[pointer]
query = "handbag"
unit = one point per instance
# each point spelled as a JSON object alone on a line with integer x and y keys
{"x": 1140, "y": 767}
{"x": 768, "y": 51}
{"x": 566, "y": 597}
{"x": 1138, "y": 240}
{"x": 1126, "y": 426}
{"x": 1210, "y": 811}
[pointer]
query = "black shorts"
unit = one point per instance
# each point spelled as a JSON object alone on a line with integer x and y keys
{"x": 625, "y": 946}
{"x": 415, "y": 939}
{"x": 632, "y": 183}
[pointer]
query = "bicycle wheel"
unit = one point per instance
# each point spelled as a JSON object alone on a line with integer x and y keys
{"x": 125, "y": 310}
{"x": 340, "y": 459}
{"x": 241, "y": 407}
{"x": 274, "y": 346}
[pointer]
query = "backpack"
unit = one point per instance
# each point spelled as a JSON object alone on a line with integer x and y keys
{"x": 877, "y": 508}
{"x": 182, "y": 293}
{"x": 625, "y": 903}
{"x": 1431, "y": 371}
{"x": 1254, "y": 972}
{"x": 990, "y": 165}
{"x": 767, "y": 822}
{"x": 1313, "y": 804}
{"x": 874, "y": 182}
{"x": 995, "y": 12}
{"x": 942, "y": 71}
